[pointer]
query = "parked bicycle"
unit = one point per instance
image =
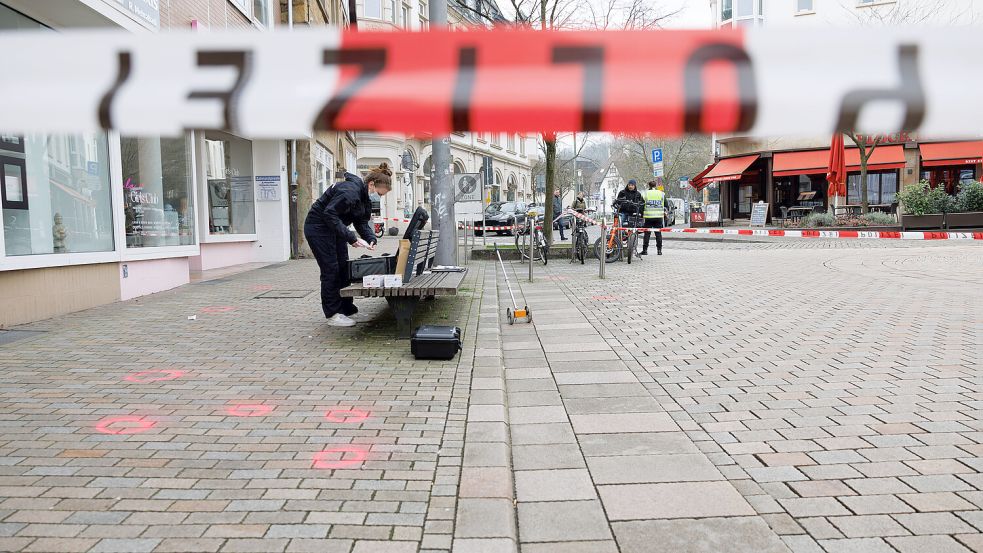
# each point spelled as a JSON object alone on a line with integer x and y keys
{"x": 540, "y": 247}
{"x": 580, "y": 240}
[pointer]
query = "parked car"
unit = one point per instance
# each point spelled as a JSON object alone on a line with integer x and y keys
{"x": 501, "y": 214}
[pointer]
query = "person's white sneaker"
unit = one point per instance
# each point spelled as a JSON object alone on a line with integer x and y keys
{"x": 340, "y": 320}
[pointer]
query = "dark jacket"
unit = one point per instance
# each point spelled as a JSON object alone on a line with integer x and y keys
{"x": 579, "y": 205}
{"x": 630, "y": 201}
{"x": 557, "y": 206}
{"x": 345, "y": 203}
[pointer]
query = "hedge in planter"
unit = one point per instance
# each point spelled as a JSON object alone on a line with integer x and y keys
{"x": 924, "y": 207}
{"x": 969, "y": 207}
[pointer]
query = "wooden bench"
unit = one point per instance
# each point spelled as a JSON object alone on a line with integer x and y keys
{"x": 416, "y": 257}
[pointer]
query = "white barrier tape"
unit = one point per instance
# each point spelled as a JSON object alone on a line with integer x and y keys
{"x": 854, "y": 234}
{"x": 279, "y": 84}
{"x": 471, "y": 227}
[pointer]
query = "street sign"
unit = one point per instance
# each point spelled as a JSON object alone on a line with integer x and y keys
{"x": 684, "y": 182}
{"x": 657, "y": 170}
{"x": 657, "y": 155}
{"x": 466, "y": 187}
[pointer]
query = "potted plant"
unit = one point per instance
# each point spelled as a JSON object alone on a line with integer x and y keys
{"x": 969, "y": 205}
{"x": 923, "y": 207}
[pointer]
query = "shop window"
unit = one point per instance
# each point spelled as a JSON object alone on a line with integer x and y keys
{"x": 157, "y": 196}
{"x": 372, "y": 9}
{"x": 949, "y": 177}
{"x": 882, "y": 187}
{"x": 229, "y": 183}
{"x": 56, "y": 196}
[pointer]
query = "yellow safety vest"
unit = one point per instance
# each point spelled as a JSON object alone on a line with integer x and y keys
{"x": 655, "y": 204}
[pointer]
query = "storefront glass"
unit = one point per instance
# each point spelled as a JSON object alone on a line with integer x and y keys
{"x": 229, "y": 181}
{"x": 949, "y": 176}
{"x": 158, "y": 201}
{"x": 56, "y": 194}
{"x": 882, "y": 186}
{"x": 799, "y": 191}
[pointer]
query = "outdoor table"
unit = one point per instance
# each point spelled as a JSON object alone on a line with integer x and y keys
{"x": 799, "y": 211}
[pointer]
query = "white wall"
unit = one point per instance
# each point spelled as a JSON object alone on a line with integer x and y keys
{"x": 272, "y": 218}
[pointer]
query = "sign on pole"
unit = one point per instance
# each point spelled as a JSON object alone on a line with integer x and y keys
{"x": 684, "y": 182}
{"x": 657, "y": 163}
{"x": 466, "y": 188}
{"x": 657, "y": 156}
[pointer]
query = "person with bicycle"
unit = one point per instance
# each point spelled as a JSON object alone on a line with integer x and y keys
{"x": 580, "y": 204}
{"x": 629, "y": 202}
{"x": 655, "y": 216}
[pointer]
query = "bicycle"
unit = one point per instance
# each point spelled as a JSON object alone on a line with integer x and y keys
{"x": 540, "y": 247}
{"x": 616, "y": 244}
{"x": 580, "y": 240}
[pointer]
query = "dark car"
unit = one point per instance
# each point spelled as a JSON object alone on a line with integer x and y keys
{"x": 501, "y": 214}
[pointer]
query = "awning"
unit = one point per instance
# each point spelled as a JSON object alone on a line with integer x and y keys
{"x": 699, "y": 182}
{"x": 884, "y": 157}
{"x": 787, "y": 164}
{"x": 730, "y": 169}
{"x": 951, "y": 153}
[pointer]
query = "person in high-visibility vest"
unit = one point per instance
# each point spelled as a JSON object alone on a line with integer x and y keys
{"x": 655, "y": 216}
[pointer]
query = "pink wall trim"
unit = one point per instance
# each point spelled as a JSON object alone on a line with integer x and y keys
{"x": 216, "y": 256}
{"x": 151, "y": 276}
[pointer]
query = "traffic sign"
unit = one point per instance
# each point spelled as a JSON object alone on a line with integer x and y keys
{"x": 657, "y": 155}
{"x": 657, "y": 170}
{"x": 684, "y": 182}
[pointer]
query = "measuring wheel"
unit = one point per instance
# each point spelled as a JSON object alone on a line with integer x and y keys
{"x": 528, "y": 314}
{"x": 510, "y": 315}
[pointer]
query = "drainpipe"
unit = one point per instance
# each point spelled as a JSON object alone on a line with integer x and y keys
{"x": 294, "y": 219}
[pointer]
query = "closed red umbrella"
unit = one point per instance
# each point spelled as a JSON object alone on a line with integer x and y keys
{"x": 837, "y": 169}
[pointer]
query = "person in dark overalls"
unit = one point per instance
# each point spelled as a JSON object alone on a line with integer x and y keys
{"x": 326, "y": 229}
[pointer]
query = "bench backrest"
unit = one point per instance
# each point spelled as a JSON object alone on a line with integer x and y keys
{"x": 422, "y": 252}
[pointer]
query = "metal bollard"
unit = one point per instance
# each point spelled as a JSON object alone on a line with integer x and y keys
{"x": 532, "y": 230}
{"x": 603, "y": 250}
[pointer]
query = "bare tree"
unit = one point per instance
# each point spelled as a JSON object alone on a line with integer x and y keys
{"x": 684, "y": 156}
{"x": 866, "y": 146}
{"x": 630, "y": 15}
{"x": 911, "y": 13}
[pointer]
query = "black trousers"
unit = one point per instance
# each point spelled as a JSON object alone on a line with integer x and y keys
{"x": 331, "y": 252}
{"x": 653, "y": 223}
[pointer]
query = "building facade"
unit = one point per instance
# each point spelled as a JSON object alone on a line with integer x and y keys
{"x": 94, "y": 218}
{"x": 510, "y": 157}
{"x": 791, "y": 172}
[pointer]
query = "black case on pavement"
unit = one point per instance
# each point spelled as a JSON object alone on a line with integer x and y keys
{"x": 435, "y": 342}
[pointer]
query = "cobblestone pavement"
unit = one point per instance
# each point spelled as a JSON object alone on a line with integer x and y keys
{"x": 763, "y": 397}
{"x": 254, "y": 427}
{"x": 756, "y": 397}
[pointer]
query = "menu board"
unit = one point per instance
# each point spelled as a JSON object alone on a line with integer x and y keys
{"x": 759, "y": 214}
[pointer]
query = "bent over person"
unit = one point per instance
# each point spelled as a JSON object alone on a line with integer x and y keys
{"x": 655, "y": 216}
{"x": 326, "y": 229}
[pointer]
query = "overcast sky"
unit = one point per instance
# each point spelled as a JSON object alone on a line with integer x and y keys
{"x": 695, "y": 14}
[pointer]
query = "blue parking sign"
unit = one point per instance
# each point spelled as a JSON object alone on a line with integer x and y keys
{"x": 657, "y": 155}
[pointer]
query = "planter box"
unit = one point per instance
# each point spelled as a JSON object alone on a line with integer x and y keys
{"x": 922, "y": 222}
{"x": 964, "y": 220}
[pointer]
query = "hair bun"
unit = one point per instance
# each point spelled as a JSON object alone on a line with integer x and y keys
{"x": 384, "y": 169}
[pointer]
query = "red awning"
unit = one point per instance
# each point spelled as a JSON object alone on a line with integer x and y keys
{"x": 699, "y": 182}
{"x": 787, "y": 164}
{"x": 730, "y": 169}
{"x": 951, "y": 153}
{"x": 884, "y": 157}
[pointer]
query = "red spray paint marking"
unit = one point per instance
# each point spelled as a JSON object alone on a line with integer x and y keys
{"x": 351, "y": 416}
{"x": 127, "y": 425}
{"x": 605, "y": 298}
{"x": 262, "y": 287}
{"x": 248, "y": 410}
{"x": 154, "y": 375}
{"x": 341, "y": 457}
{"x": 211, "y": 310}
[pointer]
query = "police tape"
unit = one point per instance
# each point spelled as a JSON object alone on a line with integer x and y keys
{"x": 284, "y": 84}
{"x": 512, "y": 228}
{"x": 857, "y": 234}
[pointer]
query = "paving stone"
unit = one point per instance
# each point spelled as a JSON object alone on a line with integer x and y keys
{"x": 675, "y": 500}
{"x": 571, "y": 547}
{"x": 485, "y": 545}
{"x": 876, "y": 504}
{"x": 562, "y": 521}
{"x": 920, "y": 544}
{"x": 554, "y": 485}
{"x": 634, "y": 469}
{"x": 366, "y": 546}
{"x": 539, "y": 434}
{"x": 651, "y": 443}
{"x": 484, "y": 518}
{"x": 868, "y": 526}
{"x": 856, "y": 545}
{"x": 555, "y": 456}
{"x": 940, "y": 501}
{"x": 629, "y": 422}
{"x": 747, "y": 534}
{"x": 933, "y": 523}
